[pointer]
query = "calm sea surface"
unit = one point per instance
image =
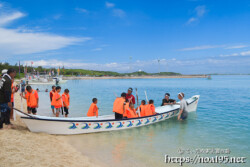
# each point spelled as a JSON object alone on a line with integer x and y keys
{"x": 221, "y": 121}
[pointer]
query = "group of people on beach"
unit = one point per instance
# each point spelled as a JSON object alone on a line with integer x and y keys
{"x": 123, "y": 106}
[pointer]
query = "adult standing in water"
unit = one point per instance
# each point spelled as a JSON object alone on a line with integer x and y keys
{"x": 129, "y": 96}
{"x": 5, "y": 97}
{"x": 183, "y": 107}
{"x": 167, "y": 100}
{"x": 119, "y": 106}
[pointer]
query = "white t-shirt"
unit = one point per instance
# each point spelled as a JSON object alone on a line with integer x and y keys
{"x": 183, "y": 105}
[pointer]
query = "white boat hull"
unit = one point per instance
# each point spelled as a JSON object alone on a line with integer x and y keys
{"x": 69, "y": 126}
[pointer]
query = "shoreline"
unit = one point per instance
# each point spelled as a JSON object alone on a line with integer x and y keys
{"x": 133, "y": 77}
{"x": 20, "y": 147}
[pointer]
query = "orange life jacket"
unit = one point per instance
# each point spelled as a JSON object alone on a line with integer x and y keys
{"x": 93, "y": 110}
{"x": 143, "y": 110}
{"x": 150, "y": 110}
{"x": 131, "y": 113}
{"x": 58, "y": 103}
{"x": 65, "y": 99}
{"x": 31, "y": 98}
{"x": 12, "y": 94}
{"x": 118, "y": 105}
{"x": 126, "y": 106}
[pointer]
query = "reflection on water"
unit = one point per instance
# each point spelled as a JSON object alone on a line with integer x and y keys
{"x": 137, "y": 146}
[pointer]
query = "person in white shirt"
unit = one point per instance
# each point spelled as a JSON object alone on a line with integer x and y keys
{"x": 183, "y": 107}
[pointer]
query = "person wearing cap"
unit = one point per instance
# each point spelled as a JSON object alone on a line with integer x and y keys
{"x": 183, "y": 107}
{"x": 167, "y": 100}
{"x": 5, "y": 97}
{"x": 119, "y": 106}
{"x": 129, "y": 96}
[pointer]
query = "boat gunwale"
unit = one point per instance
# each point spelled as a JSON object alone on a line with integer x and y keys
{"x": 104, "y": 120}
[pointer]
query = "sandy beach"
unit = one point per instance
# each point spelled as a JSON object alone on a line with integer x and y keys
{"x": 19, "y": 147}
{"x": 134, "y": 77}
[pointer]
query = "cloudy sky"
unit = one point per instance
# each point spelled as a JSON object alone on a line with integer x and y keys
{"x": 187, "y": 36}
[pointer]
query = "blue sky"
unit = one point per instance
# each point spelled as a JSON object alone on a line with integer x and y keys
{"x": 187, "y": 36}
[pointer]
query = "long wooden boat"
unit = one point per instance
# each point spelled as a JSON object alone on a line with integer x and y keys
{"x": 79, "y": 125}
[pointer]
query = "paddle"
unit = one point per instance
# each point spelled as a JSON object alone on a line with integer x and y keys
{"x": 23, "y": 113}
{"x": 146, "y": 96}
{"x": 138, "y": 110}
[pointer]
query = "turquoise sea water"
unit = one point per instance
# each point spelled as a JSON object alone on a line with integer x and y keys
{"x": 221, "y": 120}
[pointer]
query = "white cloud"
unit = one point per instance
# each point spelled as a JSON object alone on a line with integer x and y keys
{"x": 236, "y": 47}
{"x": 192, "y": 19}
{"x": 57, "y": 16}
{"x": 17, "y": 42}
{"x": 202, "y": 47}
{"x": 5, "y": 19}
{"x": 97, "y": 49}
{"x": 200, "y": 10}
{"x": 81, "y": 10}
{"x": 193, "y": 66}
{"x": 199, "y": 13}
{"x": 109, "y": 5}
{"x": 119, "y": 13}
{"x": 245, "y": 53}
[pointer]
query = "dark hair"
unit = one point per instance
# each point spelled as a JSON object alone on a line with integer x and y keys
{"x": 28, "y": 88}
{"x": 58, "y": 87}
{"x": 94, "y": 100}
{"x": 131, "y": 89}
{"x": 167, "y": 94}
{"x": 143, "y": 101}
{"x": 123, "y": 94}
{"x": 66, "y": 90}
{"x": 151, "y": 101}
{"x": 126, "y": 100}
{"x": 53, "y": 86}
{"x": 11, "y": 70}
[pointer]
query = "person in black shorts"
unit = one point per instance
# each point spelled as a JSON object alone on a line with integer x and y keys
{"x": 33, "y": 110}
{"x": 66, "y": 102}
{"x": 167, "y": 100}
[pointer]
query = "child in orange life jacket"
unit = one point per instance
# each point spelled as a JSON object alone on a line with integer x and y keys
{"x": 57, "y": 100}
{"x": 66, "y": 102}
{"x": 126, "y": 106}
{"x": 32, "y": 99}
{"x": 93, "y": 109}
{"x": 131, "y": 112}
{"x": 150, "y": 109}
{"x": 142, "y": 108}
{"x": 51, "y": 93}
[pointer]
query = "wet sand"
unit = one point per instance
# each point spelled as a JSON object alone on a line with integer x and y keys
{"x": 19, "y": 147}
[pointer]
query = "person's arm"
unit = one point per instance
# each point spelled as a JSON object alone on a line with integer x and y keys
{"x": 23, "y": 96}
{"x": 64, "y": 104}
{"x": 59, "y": 98}
{"x": 96, "y": 113}
{"x": 124, "y": 107}
{"x": 50, "y": 95}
